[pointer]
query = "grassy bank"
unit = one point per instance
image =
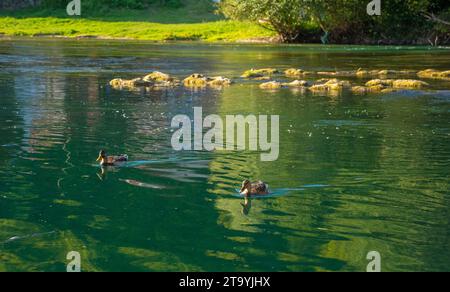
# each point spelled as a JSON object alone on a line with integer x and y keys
{"x": 161, "y": 24}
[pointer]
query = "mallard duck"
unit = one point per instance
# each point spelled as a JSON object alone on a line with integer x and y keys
{"x": 254, "y": 189}
{"x": 106, "y": 160}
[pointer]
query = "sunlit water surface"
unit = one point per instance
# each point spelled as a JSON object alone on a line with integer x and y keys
{"x": 355, "y": 173}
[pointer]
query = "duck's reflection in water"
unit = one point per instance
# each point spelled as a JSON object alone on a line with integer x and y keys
{"x": 103, "y": 173}
{"x": 246, "y": 205}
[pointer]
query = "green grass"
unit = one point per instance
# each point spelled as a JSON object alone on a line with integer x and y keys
{"x": 155, "y": 24}
{"x": 221, "y": 30}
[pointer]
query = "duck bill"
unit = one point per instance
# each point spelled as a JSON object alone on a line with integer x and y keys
{"x": 242, "y": 189}
{"x": 99, "y": 159}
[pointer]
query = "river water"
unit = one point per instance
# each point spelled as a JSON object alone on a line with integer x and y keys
{"x": 355, "y": 173}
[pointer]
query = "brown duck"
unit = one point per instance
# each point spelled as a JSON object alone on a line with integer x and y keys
{"x": 254, "y": 189}
{"x": 106, "y": 160}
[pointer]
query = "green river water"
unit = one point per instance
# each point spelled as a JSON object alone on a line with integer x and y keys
{"x": 355, "y": 173}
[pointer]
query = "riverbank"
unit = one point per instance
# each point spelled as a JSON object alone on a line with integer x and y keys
{"x": 191, "y": 22}
{"x": 152, "y": 25}
{"x": 221, "y": 30}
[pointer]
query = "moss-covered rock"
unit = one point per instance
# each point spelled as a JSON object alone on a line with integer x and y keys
{"x": 115, "y": 83}
{"x": 360, "y": 90}
{"x": 376, "y": 88}
{"x": 271, "y": 85}
{"x": 297, "y": 83}
{"x": 196, "y": 80}
{"x": 329, "y": 85}
{"x": 159, "y": 77}
{"x": 434, "y": 74}
{"x": 199, "y": 80}
{"x": 388, "y": 86}
{"x": 397, "y": 83}
{"x": 130, "y": 84}
{"x": 294, "y": 73}
{"x": 409, "y": 84}
{"x": 380, "y": 82}
{"x": 382, "y": 73}
{"x": 379, "y": 88}
{"x": 319, "y": 88}
{"x": 219, "y": 81}
{"x": 153, "y": 80}
{"x": 366, "y": 73}
{"x": 338, "y": 73}
{"x": 258, "y": 73}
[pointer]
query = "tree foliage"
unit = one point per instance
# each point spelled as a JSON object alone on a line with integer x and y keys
{"x": 345, "y": 20}
{"x": 287, "y": 17}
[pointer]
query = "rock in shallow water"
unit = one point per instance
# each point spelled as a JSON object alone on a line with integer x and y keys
{"x": 133, "y": 83}
{"x": 434, "y": 74}
{"x": 159, "y": 77}
{"x": 382, "y": 73}
{"x": 297, "y": 83}
{"x": 158, "y": 80}
{"x": 278, "y": 85}
{"x": 154, "y": 79}
{"x": 324, "y": 85}
{"x": 294, "y": 73}
{"x": 259, "y": 73}
{"x": 199, "y": 80}
{"x": 397, "y": 83}
{"x": 271, "y": 85}
{"x": 360, "y": 90}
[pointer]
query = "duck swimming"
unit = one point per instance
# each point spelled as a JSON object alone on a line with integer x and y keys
{"x": 254, "y": 189}
{"x": 106, "y": 160}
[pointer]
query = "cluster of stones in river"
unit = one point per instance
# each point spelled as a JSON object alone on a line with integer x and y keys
{"x": 380, "y": 83}
{"x": 162, "y": 80}
{"x": 198, "y": 80}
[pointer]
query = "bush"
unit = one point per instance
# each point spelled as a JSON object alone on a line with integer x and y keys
{"x": 286, "y": 17}
{"x": 343, "y": 21}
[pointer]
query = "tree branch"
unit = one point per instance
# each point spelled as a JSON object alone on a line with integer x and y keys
{"x": 434, "y": 18}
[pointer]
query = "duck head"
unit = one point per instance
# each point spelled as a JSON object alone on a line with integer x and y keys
{"x": 246, "y": 188}
{"x": 101, "y": 156}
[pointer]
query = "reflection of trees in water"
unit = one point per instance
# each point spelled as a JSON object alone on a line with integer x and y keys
{"x": 92, "y": 120}
{"x": 274, "y": 228}
{"x": 31, "y": 247}
{"x": 10, "y": 135}
{"x": 394, "y": 208}
{"x": 377, "y": 172}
